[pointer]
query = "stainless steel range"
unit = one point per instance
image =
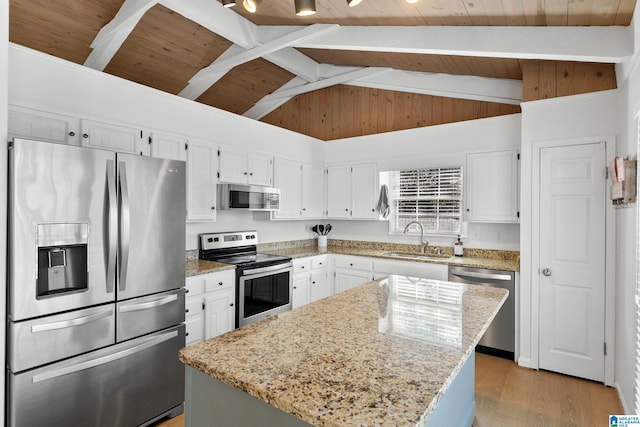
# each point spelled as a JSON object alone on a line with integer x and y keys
{"x": 263, "y": 281}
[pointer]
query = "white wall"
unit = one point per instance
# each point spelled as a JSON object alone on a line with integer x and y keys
{"x": 626, "y": 231}
{"x": 580, "y": 117}
{"x": 433, "y": 146}
{"x": 4, "y": 37}
{"x": 43, "y": 82}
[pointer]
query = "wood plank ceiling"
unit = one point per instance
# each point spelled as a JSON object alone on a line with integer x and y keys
{"x": 270, "y": 74}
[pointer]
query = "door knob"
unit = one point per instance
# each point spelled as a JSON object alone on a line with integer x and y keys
{"x": 546, "y": 272}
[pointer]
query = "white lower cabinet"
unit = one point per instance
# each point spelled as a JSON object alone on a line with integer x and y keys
{"x": 310, "y": 280}
{"x": 351, "y": 271}
{"x": 210, "y": 305}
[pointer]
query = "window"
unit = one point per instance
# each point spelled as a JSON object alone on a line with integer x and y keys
{"x": 433, "y": 197}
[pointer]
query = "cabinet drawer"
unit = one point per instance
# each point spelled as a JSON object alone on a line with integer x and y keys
{"x": 193, "y": 306}
{"x": 194, "y": 329}
{"x": 194, "y": 285}
{"x": 319, "y": 261}
{"x": 223, "y": 280}
{"x": 353, "y": 262}
{"x": 301, "y": 265}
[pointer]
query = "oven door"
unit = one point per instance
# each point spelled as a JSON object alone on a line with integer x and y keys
{"x": 263, "y": 292}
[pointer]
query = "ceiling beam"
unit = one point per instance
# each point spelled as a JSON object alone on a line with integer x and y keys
{"x": 196, "y": 88}
{"x": 264, "y": 107}
{"x": 503, "y": 91}
{"x": 112, "y": 35}
{"x": 287, "y": 40}
{"x": 321, "y": 84}
{"x": 586, "y": 44}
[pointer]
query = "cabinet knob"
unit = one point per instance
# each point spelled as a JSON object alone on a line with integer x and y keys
{"x": 304, "y": 209}
{"x": 373, "y": 210}
{"x": 186, "y": 310}
{"x": 85, "y": 135}
{"x": 302, "y": 267}
{"x": 547, "y": 272}
{"x": 295, "y": 287}
{"x": 72, "y": 133}
{"x": 313, "y": 283}
{"x": 220, "y": 283}
{"x": 231, "y": 305}
{"x": 351, "y": 264}
{"x": 251, "y": 174}
{"x": 186, "y": 291}
{"x": 319, "y": 263}
{"x": 467, "y": 209}
{"x": 245, "y": 173}
{"x": 186, "y": 334}
{"x": 213, "y": 208}
{"x": 346, "y": 210}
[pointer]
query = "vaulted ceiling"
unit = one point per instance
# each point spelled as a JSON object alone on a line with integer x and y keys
{"x": 257, "y": 64}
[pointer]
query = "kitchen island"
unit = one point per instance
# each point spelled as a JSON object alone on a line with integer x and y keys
{"x": 398, "y": 351}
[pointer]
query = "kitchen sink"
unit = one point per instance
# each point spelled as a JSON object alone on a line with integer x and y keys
{"x": 417, "y": 256}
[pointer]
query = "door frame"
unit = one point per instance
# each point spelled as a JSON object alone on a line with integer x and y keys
{"x": 610, "y": 246}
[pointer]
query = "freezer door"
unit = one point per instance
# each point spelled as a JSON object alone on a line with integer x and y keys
{"x": 44, "y": 340}
{"x": 124, "y": 385}
{"x": 152, "y": 217}
{"x": 61, "y": 235}
{"x": 140, "y": 316}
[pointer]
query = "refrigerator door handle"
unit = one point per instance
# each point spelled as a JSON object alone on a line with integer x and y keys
{"x": 125, "y": 223}
{"x": 112, "y": 218}
{"x": 43, "y": 327}
{"x": 92, "y": 363}
{"x": 150, "y": 304}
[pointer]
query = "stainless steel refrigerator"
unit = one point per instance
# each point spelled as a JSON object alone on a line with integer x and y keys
{"x": 95, "y": 298}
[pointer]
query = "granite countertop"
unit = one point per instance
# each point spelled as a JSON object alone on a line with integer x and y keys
{"x": 478, "y": 258}
{"x": 195, "y": 267}
{"x": 367, "y": 356}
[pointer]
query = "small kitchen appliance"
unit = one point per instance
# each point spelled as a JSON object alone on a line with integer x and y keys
{"x": 263, "y": 281}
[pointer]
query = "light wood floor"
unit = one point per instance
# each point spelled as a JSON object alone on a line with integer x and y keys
{"x": 510, "y": 396}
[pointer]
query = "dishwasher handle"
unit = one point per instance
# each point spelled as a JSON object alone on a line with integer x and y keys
{"x": 472, "y": 275}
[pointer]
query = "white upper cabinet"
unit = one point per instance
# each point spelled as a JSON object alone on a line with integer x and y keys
{"x": 352, "y": 191}
{"x": 245, "y": 167}
{"x": 165, "y": 146}
{"x": 338, "y": 192}
{"x": 202, "y": 169}
{"x": 312, "y": 191}
{"x": 364, "y": 194}
{"x": 288, "y": 178}
{"x": 114, "y": 137}
{"x": 491, "y": 187}
{"x": 42, "y": 126}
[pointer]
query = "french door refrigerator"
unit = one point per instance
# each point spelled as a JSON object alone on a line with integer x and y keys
{"x": 95, "y": 298}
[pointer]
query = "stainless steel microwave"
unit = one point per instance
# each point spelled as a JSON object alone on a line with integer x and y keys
{"x": 248, "y": 197}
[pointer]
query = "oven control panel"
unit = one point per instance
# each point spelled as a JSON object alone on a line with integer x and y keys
{"x": 228, "y": 239}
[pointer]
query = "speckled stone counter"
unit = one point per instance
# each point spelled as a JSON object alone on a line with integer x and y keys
{"x": 383, "y": 353}
{"x": 479, "y": 258}
{"x": 199, "y": 266}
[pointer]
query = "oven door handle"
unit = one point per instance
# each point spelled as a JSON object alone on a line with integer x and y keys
{"x": 254, "y": 271}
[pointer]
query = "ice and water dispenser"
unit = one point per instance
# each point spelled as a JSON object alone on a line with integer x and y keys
{"x": 62, "y": 258}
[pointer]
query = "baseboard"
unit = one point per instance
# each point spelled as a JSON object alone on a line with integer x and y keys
{"x": 626, "y": 408}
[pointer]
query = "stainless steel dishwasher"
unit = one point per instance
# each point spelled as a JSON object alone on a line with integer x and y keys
{"x": 499, "y": 340}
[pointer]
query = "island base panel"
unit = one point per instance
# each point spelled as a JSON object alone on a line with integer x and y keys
{"x": 210, "y": 401}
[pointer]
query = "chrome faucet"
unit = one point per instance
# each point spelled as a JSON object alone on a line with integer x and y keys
{"x": 423, "y": 243}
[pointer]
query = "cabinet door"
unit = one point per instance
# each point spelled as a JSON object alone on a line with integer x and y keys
{"x": 364, "y": 191}
{"x": 320, "y": 286}
{"x": 260, "y": 168}
{"x": 43, "y": 126}
{"x": 491, "y": 189}
{"x": 232, "y": 166}
{"x": 202, "y": 163}
{"x": 114, "y": 137}
{"x": 219, "y": 313}
{"x": 165, "y": 146}
{"x": 301, "y": 292}
{"x": 312, "y": 191}
{"x": 288, "y": 175}
{"x": 347, "y": 279}
{"x": 194, "y": 320}
{"x": 338, "y": 192}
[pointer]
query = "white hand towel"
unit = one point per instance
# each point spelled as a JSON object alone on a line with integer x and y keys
{"x": 383, "y": 202}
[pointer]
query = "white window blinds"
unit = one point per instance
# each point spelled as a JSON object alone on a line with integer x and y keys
{"x": 432, "y": 197}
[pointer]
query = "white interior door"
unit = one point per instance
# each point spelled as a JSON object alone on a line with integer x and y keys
{"x": 572, "y": 260}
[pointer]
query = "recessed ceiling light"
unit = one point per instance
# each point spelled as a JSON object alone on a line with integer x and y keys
{"x": 352, "y": 3}
{"x": 228, "y": 3}
{"x": 411, "y": 1}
